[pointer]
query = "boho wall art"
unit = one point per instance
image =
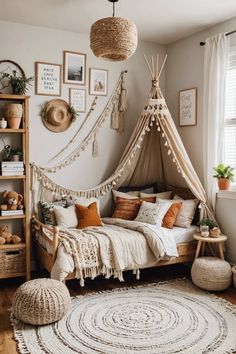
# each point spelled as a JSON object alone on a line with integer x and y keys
{"x": 98, "y": 79}
{"x": 78, "y": 99}
{"x": 188, "y": 107}
{"x": 74, "y": 68}
{"x": 48, "y": 79}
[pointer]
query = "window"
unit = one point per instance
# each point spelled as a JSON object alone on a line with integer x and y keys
{"x": 229, "y": 154}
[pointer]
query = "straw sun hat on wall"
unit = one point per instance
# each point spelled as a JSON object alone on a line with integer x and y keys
{"x": 57, "y": 116}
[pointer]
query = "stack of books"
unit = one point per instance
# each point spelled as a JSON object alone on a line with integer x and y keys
{"x": 12, "y": 168}
{"x": 12, "y": 212}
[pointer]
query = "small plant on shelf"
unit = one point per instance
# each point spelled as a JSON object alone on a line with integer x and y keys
{"x": 20, "y": 84}
{"x": 224, "y": 175}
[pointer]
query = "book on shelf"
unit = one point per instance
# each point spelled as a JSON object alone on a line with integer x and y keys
{"x": 13, "y": 173}
{"x": 12, "y": 169}
{"x": 12, "y": 163}
{"x": 12, "y": 212}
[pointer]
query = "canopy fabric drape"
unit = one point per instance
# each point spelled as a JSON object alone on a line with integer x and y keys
{"x": 155, "y": 153}
{"x": 215, "y": 67}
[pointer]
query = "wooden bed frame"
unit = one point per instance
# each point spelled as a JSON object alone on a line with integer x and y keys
{"x": 186, "y": 250}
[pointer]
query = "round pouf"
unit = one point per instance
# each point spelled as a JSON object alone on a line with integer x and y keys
{"x": 211, "y": 273}
{"x": 41, "y": 301}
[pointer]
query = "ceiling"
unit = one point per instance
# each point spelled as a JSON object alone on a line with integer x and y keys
{"x": 160, "y": 21}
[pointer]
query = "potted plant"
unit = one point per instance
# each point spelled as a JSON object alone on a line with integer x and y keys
{"x": 211, "y": 225}
{"x": 19, "y": 83}
{"x": 224, "y": 175}
{"x": 16, "y": 154}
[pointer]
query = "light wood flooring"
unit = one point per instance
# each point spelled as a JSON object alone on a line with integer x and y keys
{"x": 8, "y": 287}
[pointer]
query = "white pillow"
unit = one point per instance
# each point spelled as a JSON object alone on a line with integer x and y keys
{"x": 163, "y": 195}
{"x": 129, "y": 195}
{"x": 187, "y": 212}
{"x": 153, "y": 213}
{"x": 65, "y": 217}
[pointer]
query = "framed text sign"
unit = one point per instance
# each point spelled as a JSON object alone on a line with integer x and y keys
{"x": 48, "y": 79}
{"x": 78, "y": 99}
{"x": 188, "y": 107}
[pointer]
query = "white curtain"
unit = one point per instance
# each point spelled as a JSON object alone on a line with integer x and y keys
{"x": 215, "y": 66}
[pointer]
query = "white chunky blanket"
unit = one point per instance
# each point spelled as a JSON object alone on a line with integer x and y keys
{"x": 109, "y": 250}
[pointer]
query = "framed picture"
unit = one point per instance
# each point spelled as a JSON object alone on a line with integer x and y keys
{"x": 48, "y": 79}
{"x": 188, "y": 107}
{"x": 74, "y": 68}
{"x": 98, "y": 82}
{"x": 78, "y": 99}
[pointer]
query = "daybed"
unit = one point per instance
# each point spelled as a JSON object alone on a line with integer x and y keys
{"x": 47, "y": 240}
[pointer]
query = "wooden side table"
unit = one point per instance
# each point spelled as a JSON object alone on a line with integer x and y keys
{"x": 219, "y": 241}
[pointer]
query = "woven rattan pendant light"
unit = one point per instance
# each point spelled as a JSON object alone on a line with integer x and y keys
{"x": 113, "y": 38}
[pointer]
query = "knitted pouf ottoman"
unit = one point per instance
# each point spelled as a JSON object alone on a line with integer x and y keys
{"x": 211, "y": 273}
{"x": 41, "y": 301}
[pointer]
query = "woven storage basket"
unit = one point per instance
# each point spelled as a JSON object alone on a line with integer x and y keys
{"x": 113, "y": 38}
{"x": 41, "y": 301}
{"x": 12, "y": 261}
{"x": 211, "y": 273}
{"x": 234, "y": 275}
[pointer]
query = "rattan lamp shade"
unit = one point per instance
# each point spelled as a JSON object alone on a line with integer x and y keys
{"x": 113, "y": 38}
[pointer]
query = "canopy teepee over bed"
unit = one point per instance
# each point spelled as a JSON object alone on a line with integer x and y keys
{"x": 155, "y": 153}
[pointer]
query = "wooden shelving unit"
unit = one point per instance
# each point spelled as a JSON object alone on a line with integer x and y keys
{"x": 24, "y": 181}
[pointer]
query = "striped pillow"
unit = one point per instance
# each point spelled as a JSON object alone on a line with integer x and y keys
{"x": 47, "y": 207}
{"x": 126, "y": 208}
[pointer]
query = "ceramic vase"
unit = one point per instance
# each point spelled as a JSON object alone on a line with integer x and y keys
{"x": 224, "y": 184}
{"x": 13, "y": 113}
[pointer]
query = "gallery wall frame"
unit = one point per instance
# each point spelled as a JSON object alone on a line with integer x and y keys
{"x": 74, "y": 68}
{"x": 77, "y": 99}
{"x": 98, "y": 82}
{"x": 47, "y": 79}
{"x": 188, "y": 107}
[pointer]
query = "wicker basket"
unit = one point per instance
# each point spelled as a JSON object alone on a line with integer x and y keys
{"x": 12, "y": 261}
{"x": 234, "y": 275}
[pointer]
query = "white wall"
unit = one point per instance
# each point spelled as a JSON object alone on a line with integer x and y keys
{"x": 27, "y": 44}
{"x": 185, "y": 70}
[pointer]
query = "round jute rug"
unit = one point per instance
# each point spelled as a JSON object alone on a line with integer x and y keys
{"x": 170, "y": 317}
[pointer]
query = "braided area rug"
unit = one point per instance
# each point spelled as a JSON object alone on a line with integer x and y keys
{"x": 170, "y": 317}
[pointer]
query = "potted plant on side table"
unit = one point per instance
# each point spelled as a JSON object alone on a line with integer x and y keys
{"x": 224, "y": 175}
{"x": 210, "y": 226}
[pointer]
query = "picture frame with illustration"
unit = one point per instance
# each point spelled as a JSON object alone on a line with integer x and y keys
{"x": 47, "y": 79}
{"x": 77, "y": 99}
{"x": 188, "y": 107}
{"x": 74, "y": 68}
{"x": 98, "y": 82}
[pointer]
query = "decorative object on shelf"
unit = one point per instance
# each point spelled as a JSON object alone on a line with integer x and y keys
{"x": 215, "y": 232}
{"x": 204, "y": 230}
{"x": 12, "y": 201}
{"x": 57, "y": 115}
{"x": 9, "y": 153}
{"x": 224, "y": 175}
{"x": 74, "y": 68}
{"x": 13, "y": 112}
{"x": 188, "y": 107}
{"x": 234, "y": 275}
{"x": 41, "y": 301}
{"x": 119, "y": 94}
{"x": 12, "y": 168}
{"x": 77, "y": 99}
{"x": 17, "y": 80}
{"x": 98, "y": 82}
{"x": 3, "y": 123}
{"x": 48, "y": 79}
{"x": 16, "y": 154}
{"x": 6, "y": 237}
{"x": 113, "y": 38}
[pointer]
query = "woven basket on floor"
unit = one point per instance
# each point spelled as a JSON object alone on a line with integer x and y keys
{"x": 234, "y": 275}
{"x": 211, "y": 273}
{"x": 113, "y": 38}
{"x": 41, "y": 301}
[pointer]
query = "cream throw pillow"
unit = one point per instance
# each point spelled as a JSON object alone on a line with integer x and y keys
{"x": 163, "y": 195}
{"x": 187, "y": 212}
{"x": 129, "y": 195}
{"x": 66, "y": 217}
{"x": 153, "y": 213}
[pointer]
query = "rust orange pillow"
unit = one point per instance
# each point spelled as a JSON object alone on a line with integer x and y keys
{"x": 126, "y": 208}
{"x": 171, "y": 215}
{"x": 87, "y": 216}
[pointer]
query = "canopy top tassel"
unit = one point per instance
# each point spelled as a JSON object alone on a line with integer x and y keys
{"x": 155, "y": 75}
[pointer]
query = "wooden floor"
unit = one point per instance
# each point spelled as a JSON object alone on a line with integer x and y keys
{"x": 8, "y": 287}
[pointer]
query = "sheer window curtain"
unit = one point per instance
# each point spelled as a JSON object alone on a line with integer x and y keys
{"x": 215, "y": 67}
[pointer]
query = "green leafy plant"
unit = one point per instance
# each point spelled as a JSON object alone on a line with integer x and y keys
{"x": 16, "y": 151}
{"x": 20, "y": 84}
{"x": 73, "y": 112}
{"x": 208, "y": 222}
{"x": 223, "y": 171}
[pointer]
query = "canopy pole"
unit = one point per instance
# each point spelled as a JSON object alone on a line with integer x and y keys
{"x": 162, "y": 67}
{"x": 152, "y": 74}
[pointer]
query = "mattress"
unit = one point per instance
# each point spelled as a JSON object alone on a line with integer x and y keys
{"x": 182, "y": 235}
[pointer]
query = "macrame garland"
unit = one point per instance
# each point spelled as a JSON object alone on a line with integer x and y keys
{"x": 70, "y": 158}
{"x": 119, "y": 108}
{"x": 95, "y": 145}
{"x": 115, "y": 115}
